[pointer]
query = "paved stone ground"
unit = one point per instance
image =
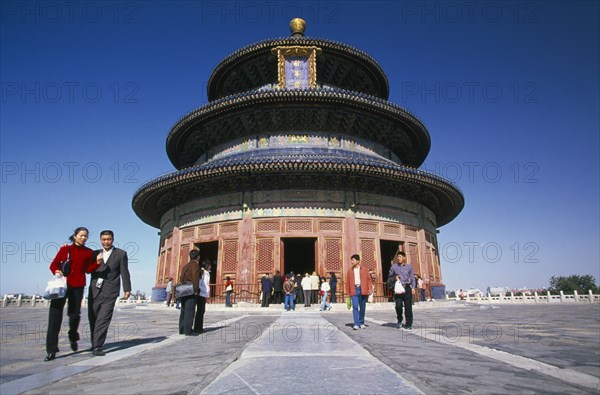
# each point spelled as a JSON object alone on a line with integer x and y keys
{"x": 455, "y": 348}
{"x": 458, "y": 348}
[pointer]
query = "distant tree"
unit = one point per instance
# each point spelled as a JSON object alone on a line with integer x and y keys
{"x": 574, "y": 282}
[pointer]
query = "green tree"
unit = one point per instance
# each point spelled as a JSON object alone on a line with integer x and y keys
{"x": 574, "y": 282}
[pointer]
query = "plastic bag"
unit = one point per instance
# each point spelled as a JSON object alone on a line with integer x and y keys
{"x": 398, "y": 288}
{"x": 348, "y": 302}
{"x": 57, "y": 288}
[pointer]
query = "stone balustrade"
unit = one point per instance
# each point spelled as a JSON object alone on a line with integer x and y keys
{"x": 21, "y": 301}
{"x": 535, "y": 298}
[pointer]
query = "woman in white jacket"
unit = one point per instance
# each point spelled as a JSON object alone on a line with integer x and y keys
{"x": 325, "y": 288}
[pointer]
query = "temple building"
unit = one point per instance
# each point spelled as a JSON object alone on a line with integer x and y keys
{"x": 297, "y": 162}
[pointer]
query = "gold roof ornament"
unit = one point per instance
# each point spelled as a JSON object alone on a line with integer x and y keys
{"x": 297, "y": 27}
{"x": 301, "y": 54}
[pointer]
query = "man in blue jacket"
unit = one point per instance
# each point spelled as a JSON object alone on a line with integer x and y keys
{"x": 403, "y": 272}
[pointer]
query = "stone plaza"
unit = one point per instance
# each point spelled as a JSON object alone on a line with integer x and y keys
{"x": 455, "y": 347}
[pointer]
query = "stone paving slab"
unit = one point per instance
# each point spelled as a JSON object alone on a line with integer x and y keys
{"x": 311, "y": 356}
{"x": 454, "y": 349}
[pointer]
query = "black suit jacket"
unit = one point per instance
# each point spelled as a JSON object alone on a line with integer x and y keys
{"x": 112, "y": 271}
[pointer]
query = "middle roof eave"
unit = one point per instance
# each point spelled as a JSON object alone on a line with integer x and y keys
{"x": 322, "y": 110}
{"x": 254, "y": 65}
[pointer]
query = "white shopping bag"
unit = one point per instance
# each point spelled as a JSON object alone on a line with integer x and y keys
{"x": 398, "y": 288}
{"x": 57, "y": 288}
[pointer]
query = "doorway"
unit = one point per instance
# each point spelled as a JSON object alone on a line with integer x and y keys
{"x": 299, "y": 255}
{"x": 388, "y": 252}
{"x": 210, "y": 251}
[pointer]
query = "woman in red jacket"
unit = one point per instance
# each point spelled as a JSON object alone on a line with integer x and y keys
{"x": 82, "y": 262}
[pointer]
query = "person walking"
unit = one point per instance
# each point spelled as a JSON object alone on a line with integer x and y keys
{"x": 403, "y": 272}
{"x": 105, "y": 286}
{"x": 371, "y": 298}
{"x": 358, "y": 286}
{"x": 422, "y": 290}
{"x": 169, "y": 290}
{"x": 325, "y": 288}
{"x": 81, "y": 262}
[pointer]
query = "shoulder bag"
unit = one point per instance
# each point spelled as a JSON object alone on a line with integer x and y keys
{"x": 65, "y": 266}
{"x": 184, "y": 289}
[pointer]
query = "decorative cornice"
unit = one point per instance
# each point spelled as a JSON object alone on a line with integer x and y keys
{"x": 157, "y": 196}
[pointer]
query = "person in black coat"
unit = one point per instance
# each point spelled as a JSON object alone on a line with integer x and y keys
{"x": 333, "y": 285}
{"x": 277, "y": 288}
{"x": 190, "y": 273}
{"x": 298, "y": 289}
{"x": 265, "y": 286}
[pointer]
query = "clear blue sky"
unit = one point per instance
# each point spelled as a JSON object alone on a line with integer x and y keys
{"x": 508, "y": 90}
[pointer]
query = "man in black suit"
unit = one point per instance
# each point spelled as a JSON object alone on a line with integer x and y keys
{"x": 104, "y": 288}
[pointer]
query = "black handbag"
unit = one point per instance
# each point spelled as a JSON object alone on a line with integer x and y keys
{"x": 65, "y": 266}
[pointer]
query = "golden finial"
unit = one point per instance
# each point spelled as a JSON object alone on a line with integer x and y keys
{"x": 297, "y": 26}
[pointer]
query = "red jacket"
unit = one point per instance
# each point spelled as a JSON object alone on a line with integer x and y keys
{"x": 82, "y": 262}
{"x": 366, "y": 284}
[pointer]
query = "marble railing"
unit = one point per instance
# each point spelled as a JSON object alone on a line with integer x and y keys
{"x": 535, "y": 298}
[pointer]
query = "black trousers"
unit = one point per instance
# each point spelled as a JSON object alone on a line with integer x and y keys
{"x": 299, "y": 296}
{"x": 100, "y": 312}
{"x": 406, "y": 300}
{"x": 265, "y": 299}
{"x": 314, "y": 296}
{"x": 186, "y": 314}
{"x": 200, "y": 309}
{"x": 333, "y": 289}
{"x": 277, "y": 297}
{"x": 73, "y": 299}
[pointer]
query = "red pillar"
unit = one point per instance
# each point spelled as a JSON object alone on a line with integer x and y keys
{"x": 246, "y": 249}
{"x": 350, "y": 240}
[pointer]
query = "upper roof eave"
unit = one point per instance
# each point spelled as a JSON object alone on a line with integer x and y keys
{"x": 263, "y": 48}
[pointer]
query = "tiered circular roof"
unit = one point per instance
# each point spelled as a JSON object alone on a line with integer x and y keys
{"x": 350, "y": 99}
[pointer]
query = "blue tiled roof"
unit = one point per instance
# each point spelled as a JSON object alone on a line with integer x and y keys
{"x": 306, "y": 154}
